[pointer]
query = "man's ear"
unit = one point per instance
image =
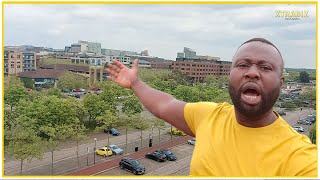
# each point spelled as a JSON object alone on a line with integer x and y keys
{"x": 281, "y": 81}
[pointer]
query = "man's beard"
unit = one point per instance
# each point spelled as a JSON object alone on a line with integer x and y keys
{"x": 255, "y": 111}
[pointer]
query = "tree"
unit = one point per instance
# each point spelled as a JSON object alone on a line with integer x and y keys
{"x": 24, "y": 144}
{"x": 180, "y": 78}
{"x": 52, "y": 136}
{"x": 131, "y": 107}
{"x": 71, "y": 80}
{"x": 13, "y": 92}
{"x": 78, "y": 134}
{"x": 159, "y": 123}
{"x": 216, "y": 81}
{"x": 94, "y": 105}
{"x": 107, "y": 120}
{"x": 313, "y": 134}
{"x": 28, "y": 83}
{"x": 9, "y": 122}
{"x": 141, "y": 124}
{"x": 53, "y": 119}
{"x": 188, "y": 93}
{"x": 110, "y": 94}
{"x": 54, "y": 92}
{"x": 309, "y": 94}
{"x": 304, "y": 77}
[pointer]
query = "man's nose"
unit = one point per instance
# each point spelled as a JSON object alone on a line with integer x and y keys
{"x": 252, "y": 73}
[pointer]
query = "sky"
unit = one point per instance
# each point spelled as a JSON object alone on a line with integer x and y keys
{"x": 214, "y": 30}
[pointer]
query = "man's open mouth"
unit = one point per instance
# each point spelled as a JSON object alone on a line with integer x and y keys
{"x": 251, "y": 94}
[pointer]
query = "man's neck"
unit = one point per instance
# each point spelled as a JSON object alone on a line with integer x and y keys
{"x": 261, "y": 121}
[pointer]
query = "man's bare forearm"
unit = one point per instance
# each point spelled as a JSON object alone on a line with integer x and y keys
{"x": 151, "y": 98}
{"x": 162, "y": 105}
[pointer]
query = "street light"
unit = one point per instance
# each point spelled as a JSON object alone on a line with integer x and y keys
{"x": 299, "y": 115}
{"x": 152, "y": 131}
{"x": 94, "y": 150}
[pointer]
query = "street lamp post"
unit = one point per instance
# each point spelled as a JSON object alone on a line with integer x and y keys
{"x": 94, "y": 150}
{"x": 152, "y": 131}
{"x": 299, "y": 115}
{"x": 87, "y": 156}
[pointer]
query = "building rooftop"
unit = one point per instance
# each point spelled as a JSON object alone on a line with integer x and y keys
{"x": 42, "y": 73}
{"x": 69, "y": 67}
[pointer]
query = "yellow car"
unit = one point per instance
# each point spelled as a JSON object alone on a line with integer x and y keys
{"x": 177, "y": 132}
{"x": 104, "y": 151}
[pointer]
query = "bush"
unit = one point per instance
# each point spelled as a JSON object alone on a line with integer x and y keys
{"x": 313, "y": 134}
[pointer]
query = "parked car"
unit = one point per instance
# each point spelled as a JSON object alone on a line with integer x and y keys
{"x": 169, "y": 155}
{"x": 115, "y": 149}
{"x": 112, "y": 131}
{"x": 72, "y": 94}
{"x": 304, "y": 122}
{"x": 104, "y": 151}
{"x": 298, "y": 128}
{"x": 192, "y": 141}
{"x": 156, "y": 156}
{"x": 177, "y": 132}
{"x": 311, "y": 118}
{"x": 282, "y": 113}
{"x": 132, "y": 165}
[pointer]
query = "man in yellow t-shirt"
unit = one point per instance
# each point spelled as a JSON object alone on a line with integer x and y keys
{"x": 244, "y": 139}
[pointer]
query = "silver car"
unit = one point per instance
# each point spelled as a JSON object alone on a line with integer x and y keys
{"x": 115, "y": 149}
{"x": 298, "y": 128}
{"x": 192, "y": 141}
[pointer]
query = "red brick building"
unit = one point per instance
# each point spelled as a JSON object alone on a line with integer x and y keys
{"x": 198, "y": 68}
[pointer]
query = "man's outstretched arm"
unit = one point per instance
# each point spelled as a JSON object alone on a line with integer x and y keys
{"x": 161, "y": 104}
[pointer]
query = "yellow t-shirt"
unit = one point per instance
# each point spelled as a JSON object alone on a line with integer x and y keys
{"x": 224, "y": 148}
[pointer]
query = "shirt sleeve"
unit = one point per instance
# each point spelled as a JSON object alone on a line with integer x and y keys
{"x": 303, "y": 162}
{"x": 194, "y": 113}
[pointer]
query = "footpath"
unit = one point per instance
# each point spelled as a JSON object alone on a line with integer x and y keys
{"x": 112, "y": 163}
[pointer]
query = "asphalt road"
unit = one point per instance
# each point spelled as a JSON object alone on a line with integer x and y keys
{"x": 65, "y": 157}
{"x": 180, "y": 167}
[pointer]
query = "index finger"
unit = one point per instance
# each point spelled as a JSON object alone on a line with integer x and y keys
{"x": 117, "y": 63}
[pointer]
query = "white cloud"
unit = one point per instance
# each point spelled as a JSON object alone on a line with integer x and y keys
{"x": 215, "y": 30}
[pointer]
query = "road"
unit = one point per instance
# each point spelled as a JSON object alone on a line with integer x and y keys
{"x": 180, "y": 167}
{"x": 65, "y": 157}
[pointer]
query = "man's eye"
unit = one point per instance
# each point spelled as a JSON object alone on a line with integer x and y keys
{"x": 242, "y": 65}
{"x": 266, "y": 68}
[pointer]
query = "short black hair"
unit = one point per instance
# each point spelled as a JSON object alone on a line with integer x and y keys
{"x": 263, "y": 40}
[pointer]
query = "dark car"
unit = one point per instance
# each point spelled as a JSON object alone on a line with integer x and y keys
{"x": 132, "y": 165}
{"x": 282, "y": 113}
{"x": 304, "y": 122}
{"x": 112, "y": 131}
{"x": 169, "y": 155}
{"x": 311, "y": 118}
{"x": 156, "y": 156}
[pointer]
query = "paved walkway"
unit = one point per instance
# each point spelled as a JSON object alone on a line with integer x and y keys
{"x": 98, "y": 168}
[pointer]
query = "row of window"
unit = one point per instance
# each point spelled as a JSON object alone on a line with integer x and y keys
{"x": 201, "y": 65}
{"x": 19, "y": 56}
{"x": 19, "y": 66}
{"x": 206, "y": 74}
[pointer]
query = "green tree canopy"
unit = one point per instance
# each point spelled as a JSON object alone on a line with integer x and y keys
{"x": 14, "y": 91}
{"x": 95, "y": 106}
{"x": 71, "y": 81}
{"x": 304, "y": 77}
